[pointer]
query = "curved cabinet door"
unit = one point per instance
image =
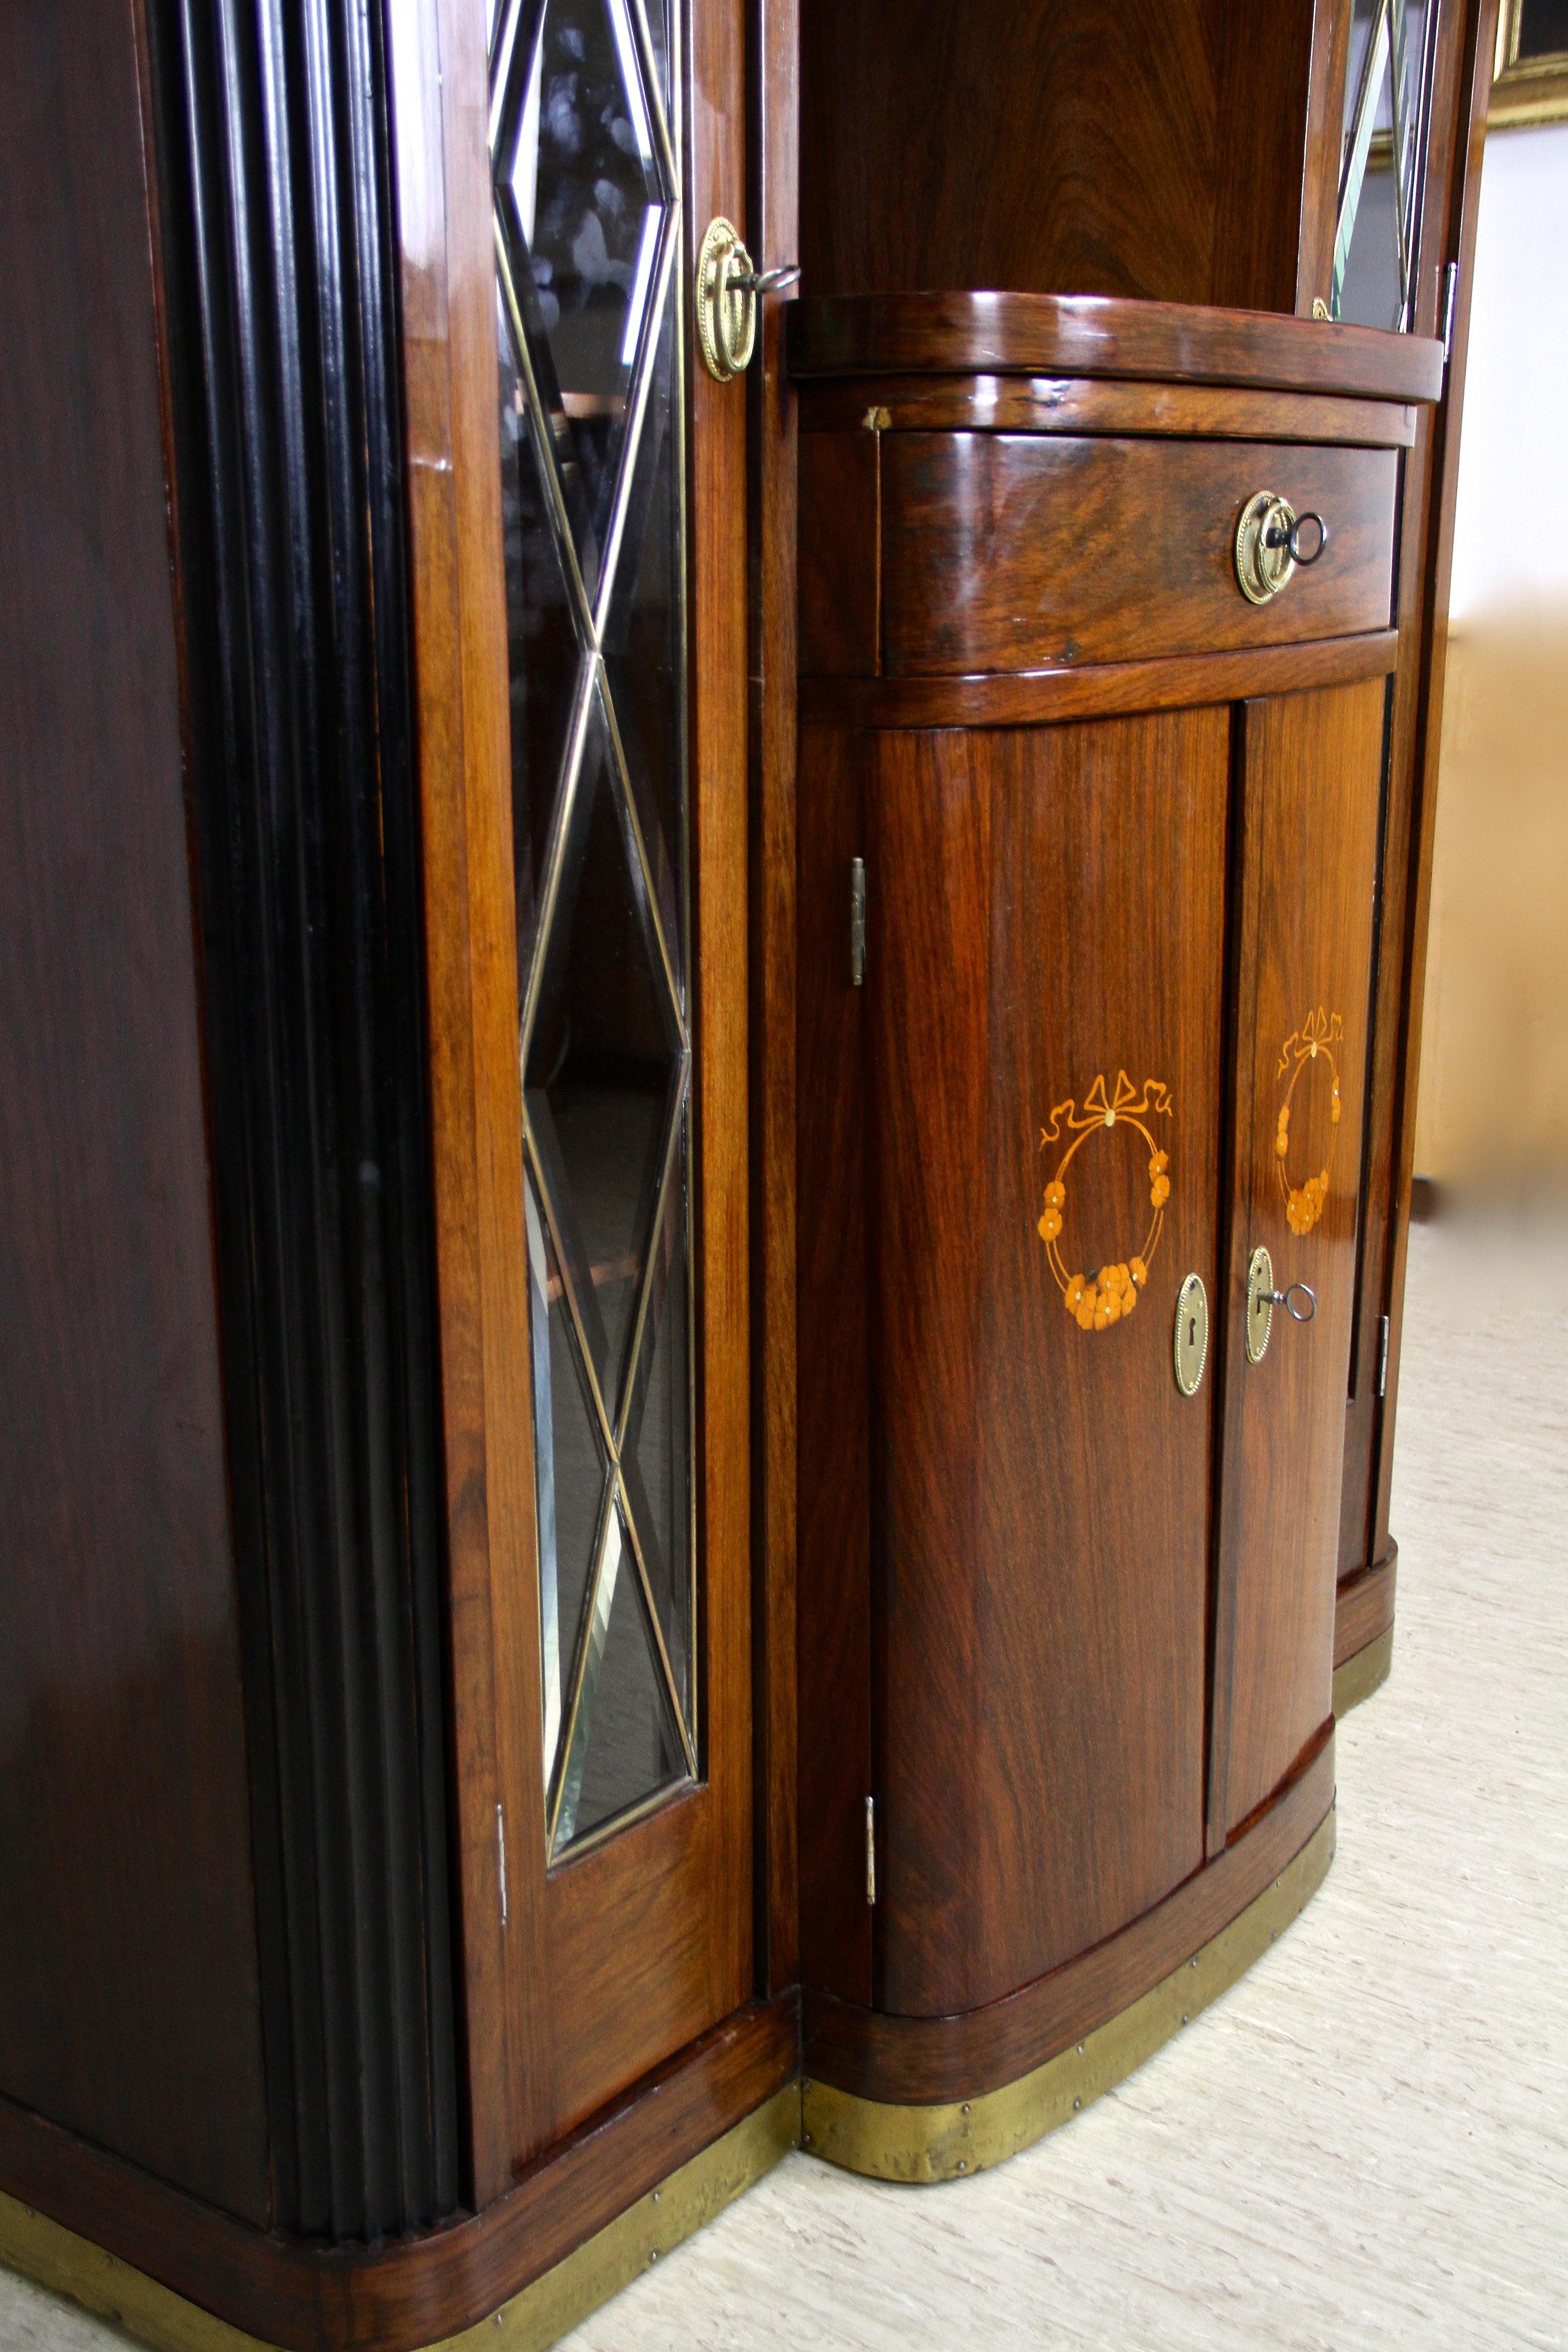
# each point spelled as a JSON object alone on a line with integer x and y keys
{"x": 1313, "y": 764}
{"x": 1045, "y": 958}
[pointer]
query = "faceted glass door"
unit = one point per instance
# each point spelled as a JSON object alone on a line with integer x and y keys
{"x": 585, "y": 140}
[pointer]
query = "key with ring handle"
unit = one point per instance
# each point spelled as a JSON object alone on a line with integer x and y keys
{"x": 1262, "y": 1299}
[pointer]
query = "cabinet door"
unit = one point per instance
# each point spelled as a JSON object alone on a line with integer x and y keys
{"x": 1312, "y": 768}
{"x": 1046, "y": 943}
{"x": 581, "y": 563}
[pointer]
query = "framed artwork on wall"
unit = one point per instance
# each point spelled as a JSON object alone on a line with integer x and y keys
{"x": 1530, "y": 82}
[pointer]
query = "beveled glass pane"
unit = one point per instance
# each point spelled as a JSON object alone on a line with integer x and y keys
{"x": 584, "y": 206}
{"x": 624, "y": 1745}
{"x": 1382, "y": 165}
{"x": 542, "y": 645}
{"x": 656, "y": 1455}
{"x": 645, "y": 644}
{"x": 604, "y": 1061}
{"x": 572, "y": 1474}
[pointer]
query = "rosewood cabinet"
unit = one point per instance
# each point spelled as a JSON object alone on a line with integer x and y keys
{"x": 1111, "y": 828}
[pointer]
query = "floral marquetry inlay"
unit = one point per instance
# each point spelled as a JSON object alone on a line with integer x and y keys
{"x": 1310, "y": 1048}
{"x": 1095, "y": 1301}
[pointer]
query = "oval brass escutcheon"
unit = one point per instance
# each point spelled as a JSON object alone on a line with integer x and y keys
{"x": 1265, "y": 561}
{"x": 1260, "y": 1304}
{"x": 1192, "y": 1334}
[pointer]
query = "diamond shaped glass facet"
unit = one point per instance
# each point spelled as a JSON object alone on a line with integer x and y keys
{"x": 605, "y": 1059}
{"x": 584, "y": 207}
{"x": 572, "y": 1474}
{"x": 624, "y": 1744}
{"x": 542, "y": 644}
{"x": 656, "y": 1453}
{"x": 645, "y": 637}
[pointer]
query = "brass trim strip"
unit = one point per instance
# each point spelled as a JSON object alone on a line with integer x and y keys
{"x": 1364, "y": 1671}
{"x": 535, "y": 2318}
{"x": 939, "y": 2143}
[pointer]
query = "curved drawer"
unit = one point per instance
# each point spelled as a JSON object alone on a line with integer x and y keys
{"x": 997, "y": 551}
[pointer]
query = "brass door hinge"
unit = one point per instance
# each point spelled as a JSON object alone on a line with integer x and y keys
{"x": 871, "y": 1850}
{"x": 1383, "y": 1360}
{"x": 857, "y": 922}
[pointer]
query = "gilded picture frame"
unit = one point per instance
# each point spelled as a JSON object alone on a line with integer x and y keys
{"x": 1528, "y": 88}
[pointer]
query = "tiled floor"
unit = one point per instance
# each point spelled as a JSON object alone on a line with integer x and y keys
{"x": 1366, "y": 2142}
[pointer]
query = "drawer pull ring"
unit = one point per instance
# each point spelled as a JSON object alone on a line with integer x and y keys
{"x": 1278, "y": 536}
{"x": 1270, "y": 546}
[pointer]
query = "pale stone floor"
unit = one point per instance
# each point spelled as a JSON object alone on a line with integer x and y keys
{"x": 1366, "y": 2142}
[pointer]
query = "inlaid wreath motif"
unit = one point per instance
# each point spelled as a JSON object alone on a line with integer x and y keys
{"x": 1311, "y": 1044}
{"x": 1096, "y": 1301}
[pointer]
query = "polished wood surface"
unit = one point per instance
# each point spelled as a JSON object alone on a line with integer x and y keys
{"x": 129, "y": 1985}
{"x": 1311, "y": 767}
{"x": 1153, "y": 149}
{"x": 928, "y": 2061}
{"x": 1043, "y": 403}
{"x": 1095, "y": 689}
{"x": 773, "y": 217}
{"x": 1364, "y": 1607}
{"x": 1103, "y": 549}
{"x": 1042, "y": 1584}
{"x": 839, "y": 555}
{"x": 437, "y": 71}
{"x": 625, "y": 1954}
{"x": 402, "y": 2294}
{"x": 1086, "y": 335}
{"x": 834, "y": 1601}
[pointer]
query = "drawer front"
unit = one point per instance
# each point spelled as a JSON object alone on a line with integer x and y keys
{"x": 1015, "y": 551}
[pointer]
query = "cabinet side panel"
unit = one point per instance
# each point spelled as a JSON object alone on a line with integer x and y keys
{"x": 929, "y": 878}
{"x": 834, "y": 1601}
{"x": 128, "y": 2005}
{"x": 1312, "y": 767}
{"x": 1093, "y": 1555}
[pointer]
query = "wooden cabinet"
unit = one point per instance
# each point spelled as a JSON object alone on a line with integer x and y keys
{"x": 1119, "y": 831}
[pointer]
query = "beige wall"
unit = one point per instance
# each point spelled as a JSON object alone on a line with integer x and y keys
{"x": 1493, "y": 1099}
{"x": 1493, "y": 1104}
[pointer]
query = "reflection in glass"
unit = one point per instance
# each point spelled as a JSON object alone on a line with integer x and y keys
{"x": 1387, "y": 96}
{"x": 625, "y": 1743}
{"x": 573, "y": 1470}
{"x": 592, "y": 498}
{"x": 583, "y": 204}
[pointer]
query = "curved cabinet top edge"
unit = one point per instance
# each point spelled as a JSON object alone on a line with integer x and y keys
{"x": 1101, "y": 335}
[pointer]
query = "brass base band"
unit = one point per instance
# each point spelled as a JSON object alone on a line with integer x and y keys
{"x": 939, "y": 2143}
{"x": 1362, "y": 1673}
{"x": 537, "y": 2316}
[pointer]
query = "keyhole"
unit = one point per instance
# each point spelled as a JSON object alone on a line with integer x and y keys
{"x": 1192, "y": 1331}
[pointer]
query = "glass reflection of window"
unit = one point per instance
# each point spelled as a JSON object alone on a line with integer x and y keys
{"x": 587, "y": 222}
{"x": 1387, "y": 97}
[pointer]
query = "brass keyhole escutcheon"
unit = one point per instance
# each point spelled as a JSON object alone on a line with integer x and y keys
{"x": 1272, "y": 540}
{"x": 1192, "y": 1334}
{"x": 1260, "y": 1304}
{"x": 1262, "y": 1299}
{"x": 727, "y": 287}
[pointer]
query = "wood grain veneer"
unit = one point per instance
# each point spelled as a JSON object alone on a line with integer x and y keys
{"x": 1041, "y": 1583}
{"x": 129, "y": 2005}
{"x": 1086, "y": 335}
{"x": 1363, "y": 1606}
{"x": 1311, "y": 767}
{"x": 1010, "y": 551}
{"x": 927, "y": 2060}
{"x": 406, "y": 2294}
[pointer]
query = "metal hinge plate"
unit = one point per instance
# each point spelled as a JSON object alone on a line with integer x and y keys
{"x": 871, "y": 1850}
{"x": 1383, "y": 1359}
{"x": 857, "y": 922}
